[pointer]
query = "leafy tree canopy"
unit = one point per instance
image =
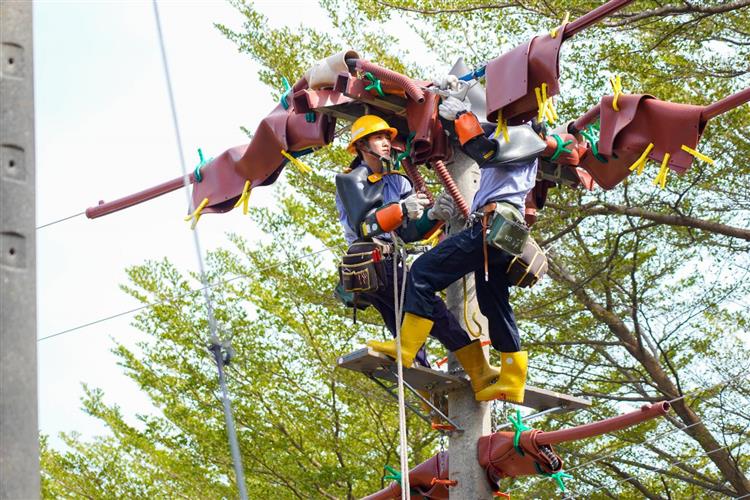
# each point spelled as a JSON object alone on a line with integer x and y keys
{"x": 646, "y": 298}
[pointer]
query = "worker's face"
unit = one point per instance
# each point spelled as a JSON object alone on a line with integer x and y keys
{"x": 380, "y": 143}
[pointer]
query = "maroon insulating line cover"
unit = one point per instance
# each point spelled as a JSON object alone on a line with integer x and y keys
{"x": 726, "y": 104}
{"x": 586, "y": 118}
{"x": 613, "y": 424}
{"x": 134, "y": 199}
{"x": 420, "y": 479}
{"x": 593, "y": 16}
{"x": 450, "y": 186}
{"x": 416, "y": 177}
{"x": 402, "y": 81}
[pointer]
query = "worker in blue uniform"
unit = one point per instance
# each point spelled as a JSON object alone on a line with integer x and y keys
{"x": 373, "y": 198}
{"x": 508, "y": 173}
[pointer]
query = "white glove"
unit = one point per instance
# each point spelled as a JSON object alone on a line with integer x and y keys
{"x": 443, "y": 209}
{"x": 452, "y": 106}
{"x": 414, "y": 204}
{"x": 447, "y": 82}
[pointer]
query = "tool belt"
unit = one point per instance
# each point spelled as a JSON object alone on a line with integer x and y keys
{"x": 504, "y": 228}
{"x": 362, "y": 269}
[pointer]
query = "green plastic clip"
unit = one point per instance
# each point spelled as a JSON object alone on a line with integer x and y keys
{"x": 518, "y": 427}
{"x": 407, "y": 151}
{"x": 394, "y": 474}
{"x": 310, "y": 117}
{"x": 375, "y": 84}
{"x": 197, "y": 175}
{"x": 287, "y": 90}
{"x": 591, "y": 134}
{"x": 560, "y": 147}
{"x": 558, "y": 477}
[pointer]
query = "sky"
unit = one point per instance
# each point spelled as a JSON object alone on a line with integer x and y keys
{"x": 103, "y": 131}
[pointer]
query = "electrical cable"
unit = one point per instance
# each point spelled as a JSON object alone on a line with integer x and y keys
{"x": 153, "y": 304}
{"x": 398, "y": 306}
{"x": 663, "y": 469}
{"x": 60, "y": 220}
{"x": 219, "y": 348}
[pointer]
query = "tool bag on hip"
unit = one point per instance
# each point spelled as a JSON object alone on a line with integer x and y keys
{"x": 508, "y": 230}
{"x": 527, "y": 269}
{"x": 362, "y": 268}
{"x": 510, "y": 233}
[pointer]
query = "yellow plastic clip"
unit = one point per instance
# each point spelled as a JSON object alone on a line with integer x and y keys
{"x": 640, "y": 163}
{"x": 502, "y": 127}
{"x": 197, "y": 214}
{"x": 551, "y": 107}
{"x": 616, "y": 83}
{"x": 302, "y": 167}
{"x": 544, "y": 103}
{"x": 697, "y": 154}
{"x": 549, "y": 113}
{"x": 540, "y": 104}
{"x": 244, "y": 197}
{"x": 661, "y": 178}
{"x": 553, "y": 33}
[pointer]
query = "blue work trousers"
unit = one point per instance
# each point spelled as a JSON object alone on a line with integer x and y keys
{"x": 445, "y": 328}
{"x": 448, "y": 262}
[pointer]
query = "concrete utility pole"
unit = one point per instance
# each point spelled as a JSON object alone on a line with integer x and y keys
{"x": 472, "y": 416}
{"x": 19, "y": 433}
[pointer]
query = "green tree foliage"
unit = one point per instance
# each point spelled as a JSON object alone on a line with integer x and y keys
{"x": 646, "y": 298}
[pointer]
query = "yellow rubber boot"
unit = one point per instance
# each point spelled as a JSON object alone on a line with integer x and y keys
{"x": 512, "y": 382}
{"x": 414, "y": 332}
{"x": 474, "y": 362}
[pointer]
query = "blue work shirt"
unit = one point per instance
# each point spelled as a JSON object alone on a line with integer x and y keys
{"x": 510, "y": 183}
{"x": 396, "y": 187}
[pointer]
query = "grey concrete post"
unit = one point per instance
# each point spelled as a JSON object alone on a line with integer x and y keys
{"x": 472, "y": 416}
{"x": 19, "y": 434}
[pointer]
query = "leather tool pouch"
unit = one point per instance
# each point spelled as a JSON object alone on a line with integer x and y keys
{"x": 362, "y": 268}
{"x": 527, "y": 269}
{"x": 508, "y": 230}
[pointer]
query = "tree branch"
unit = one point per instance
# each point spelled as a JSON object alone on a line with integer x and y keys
{"x": 670, "y": 220}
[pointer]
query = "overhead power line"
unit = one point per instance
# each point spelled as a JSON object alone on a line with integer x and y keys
{"x": 663, "y": 469}
{"x": 153, "y": 304}
{"x": 60, "y": 220}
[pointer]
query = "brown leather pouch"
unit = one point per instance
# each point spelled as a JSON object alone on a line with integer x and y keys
{"x": 362, "y": 268}
{"x": 527, "y": 269}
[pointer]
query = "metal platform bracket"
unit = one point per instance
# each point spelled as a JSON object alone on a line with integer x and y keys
{"x": 380, "y": 366}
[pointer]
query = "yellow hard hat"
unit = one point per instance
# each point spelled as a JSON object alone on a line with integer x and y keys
{"x": 366, "y": 125}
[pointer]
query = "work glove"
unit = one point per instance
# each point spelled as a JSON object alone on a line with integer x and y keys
{"x": 414, "y": 205}
{"x": 447, "y": 82}
{"x": 451, "y": 107}
{"x": 562, "y": 149}
{"x": 443, "y": 209}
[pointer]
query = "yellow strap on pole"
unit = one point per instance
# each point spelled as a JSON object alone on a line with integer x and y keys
{"x": 640, "y": 163}
{"x": 197, "y": 214}
{"x": 244, "y": 197}
{"x": 616, "y": 83}
{"x": 697, "y": 154}
{"x": 303, "y": 168}
{"x": 661, "y": 178}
